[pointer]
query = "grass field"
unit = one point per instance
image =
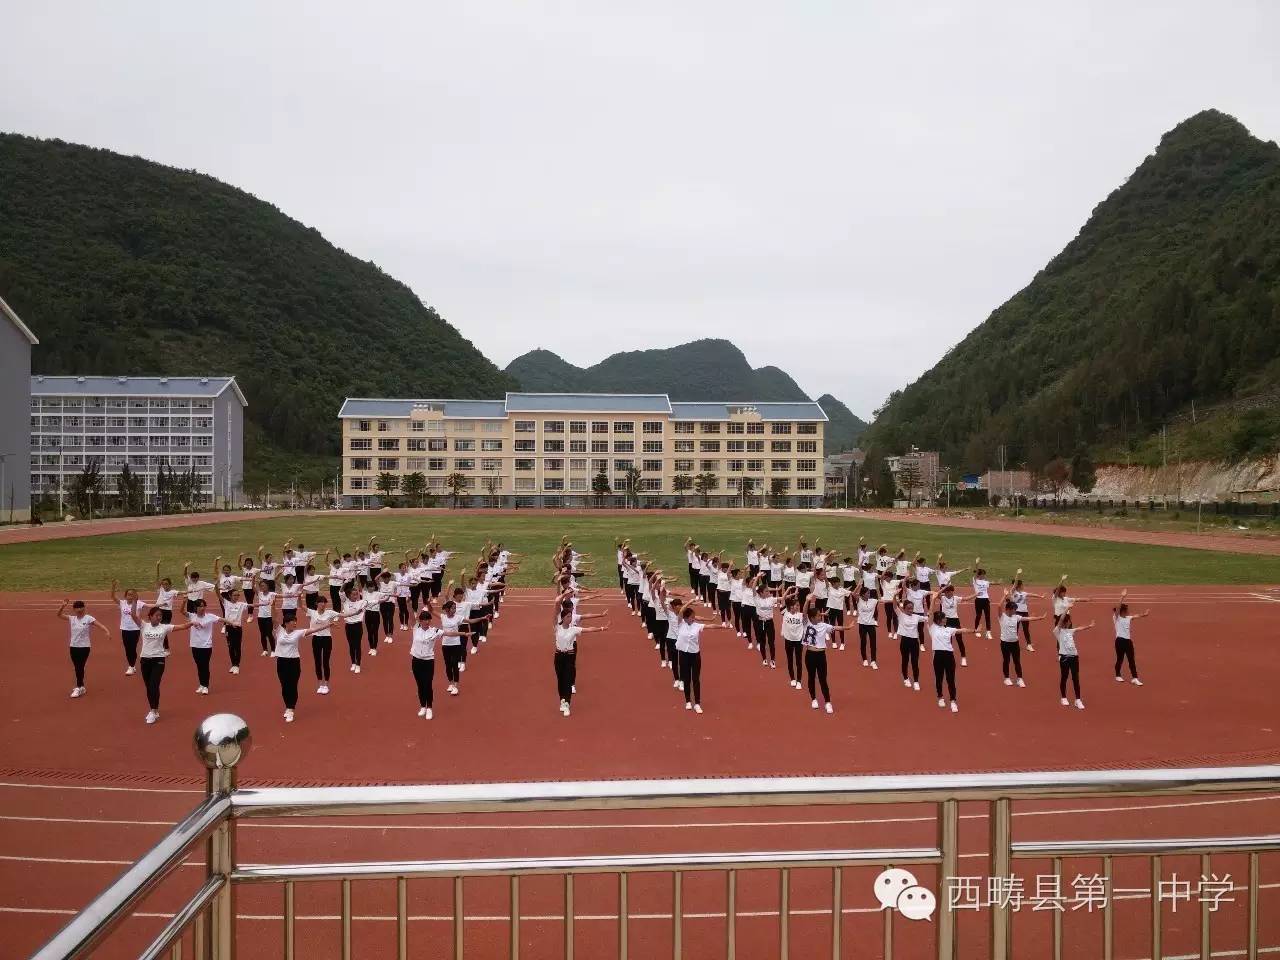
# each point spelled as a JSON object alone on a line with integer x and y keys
{"x": 90, "y": 562}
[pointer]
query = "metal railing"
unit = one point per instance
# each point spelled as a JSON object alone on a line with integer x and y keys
{"x": 222, "y": 740}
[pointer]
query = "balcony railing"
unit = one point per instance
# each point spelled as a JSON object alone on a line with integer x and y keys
{"x": 207, "y": 919}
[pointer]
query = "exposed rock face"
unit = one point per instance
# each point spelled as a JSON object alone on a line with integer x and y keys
{"x": 1249, "y": 479}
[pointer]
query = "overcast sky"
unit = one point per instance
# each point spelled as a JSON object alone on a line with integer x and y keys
{"x": 843, "y": 189}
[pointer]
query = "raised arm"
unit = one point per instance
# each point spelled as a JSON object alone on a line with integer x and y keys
{"x": 114, "y": 585}
{"x": 62, "y": 610}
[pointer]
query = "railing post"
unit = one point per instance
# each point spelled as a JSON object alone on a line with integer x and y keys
{"x": 949, "y": 846}
{"x": 220, "y": 743}
{"x": 1001, "y": 825}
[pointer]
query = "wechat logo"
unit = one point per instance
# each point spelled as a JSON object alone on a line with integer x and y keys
{"x": 897, "y": 889}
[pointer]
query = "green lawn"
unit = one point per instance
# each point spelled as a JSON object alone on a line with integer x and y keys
{"x": 90, "y": 562}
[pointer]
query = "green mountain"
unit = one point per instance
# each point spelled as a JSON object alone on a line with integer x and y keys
{"x": 701, "y": 370}
{"x": 1169, "y": 296}
{"x": 123, "y": 266}
{"x": 844, "y": 428}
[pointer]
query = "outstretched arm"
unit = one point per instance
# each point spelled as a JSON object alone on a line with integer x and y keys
{"x": 114, "y": 585}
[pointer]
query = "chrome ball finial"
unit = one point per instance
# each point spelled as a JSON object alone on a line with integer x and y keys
{"x": 221, "y": 741}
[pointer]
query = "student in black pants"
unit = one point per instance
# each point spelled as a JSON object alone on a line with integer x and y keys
{"x": 154, "y": 653}
{"x": 353, "y": 611}
{"x": 82, "y": 626}
{"x": 942, "y": 640}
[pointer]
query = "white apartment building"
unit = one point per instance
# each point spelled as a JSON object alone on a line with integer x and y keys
{"x": 548, "y": 449}
{"x": 150, "y": 423}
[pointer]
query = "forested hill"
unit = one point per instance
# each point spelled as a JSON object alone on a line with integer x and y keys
{"x": 701, "y": 370}
{"x": 123, "y": 266}
{"x": 1169, "y": 295}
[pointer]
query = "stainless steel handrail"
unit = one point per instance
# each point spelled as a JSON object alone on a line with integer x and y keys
{"x": 1173, "y": 847}
{"x": 780, "y": 791}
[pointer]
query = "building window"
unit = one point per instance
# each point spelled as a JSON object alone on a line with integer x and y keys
{"x": 360, "y": 483}
{"x": 651, "y": 483}
{"x": 464, "y": 463}
{"x": 362, "y": 426}
{"x": 783, "y": 483}
{"x": 388, "y": 463}
{"x": 578, "y": 465}
{"x": 526, "y": 483}
{"x": 416, "y": 444}
{"x": 755, "y": 466}
{"x": 684, "y": 466}
{"x": 652, "y": 446}
{"x": 599, "y": 446}
{"x": 735, "y": 427}
{"x": 709, "y": 446}
{"x": 554, "y": 465}
{"x": 807, "y": 483}
{"x": 464, "y": 426}
{"x": 553, "y": 426}
{"x": 682, "y": 426}
{"x": 624, "y": 446}
{"x": 808, "y": 429}
{"x": 553, "y": 483}
{"x": 526, "y": 426}
{"x": 599, "y": 426}
{"x": 624, "y": 426}
{"x": 464, "y": 446}
{"x": 491, "y": 465}
{"x": 578, "y": 484}
{"x": 524, "y": 466}
{"x": 415, "y": 463}
{"x": 652, "y": 466}
{"x": 435, "y": 463}
{"x": 806, "y": 466}
{"x": 806, "y": 446}
{"x": 683, "y": 446}
{"x": 361, "y": 463}
{"x": 385, "y": 444}
{"x": 383, "y": 426}
{"x": 710, "y": 428}
{"x": 653, "y": 426}
{"x": 735, "y": 446}
{"x": 735, "y": 466}
{"x": 780, "y": 466}
{"x": 777, "y": 428}
{"x": 526, "y": 446}
{"x": 755, "y": 427}
{"x": 553, "y": 446}
{"x": 780, "y": 446}
{"x": 437, "y": 444}
{"x": 622, "y": 466}
{"x": 599, "y": 466}
{"x": 577, "y": 446}
{"x": 435, "y": 426}
{"x": 491, "y": 446}
{"x": 755, "y": 446}
{"x": 709, "y": 466}
{"x": 577, "y": 426}
{"x": 418, "y": 426}
{"x": 493, "y": 426}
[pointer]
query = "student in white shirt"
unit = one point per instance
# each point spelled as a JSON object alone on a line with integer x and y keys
{"x": 1020, "y": 596}
{"x": 1010, "y": 622}
{"x": 81, "y": 627}
{"x": 402, "y": 580}
{"x": 909, "y": 627}
{"x": 867, "y": 605}
{"x": 194, "y": 586}
{"x": 1062, "y": 602}
{"x": 131, "y": 620}
{"x": 981, "y": 600}
{"x": 815, "y": 639}
{"x": 753, "y": 559}
{"x": 422, "y": 660}
{"x": 804, "y": 583}
{"x": 372, "y": 598}
{"x": 453, "y": 644}
{"x": 165, "y": 595}
{"x": 322, "y": 640}
{"x": 202, "y": 623}
{"x": 337, "y": 577}
{"x": 353, "y": 613}
{"x": 765, "y": 604}
{"x": 689, "y": 647}
{"x": 234, "y": 613}
{"x": 1123, "y": 620}
{"x": 949, "y": 607}
{"x": 264, "y": 611}
{"x": 289, "y": 663}
{"x": 837, "y": 597}
{"x": 792, "y": 636}
{"x": 374, "y": 557}
{"x": 387, "y": 604}
{"x": 942, "y": 639}
{"x": 740, "y": 627}
{"x": 153, "y": 654}
{"x": 1069, "y": 657}
{"x": 566, "y": 660}
{"x": 227, "y": 580}
{"x": 310, "y": 587}
{"x": 290, "y": 591}
{"x": 248, "y": 576}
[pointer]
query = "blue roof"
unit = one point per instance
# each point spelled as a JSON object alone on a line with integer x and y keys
{"x": 186, "y": 387}
{"x": 468, "y": 409}
{"x": 588, "y": 403}
{"x": 797, "y": 410}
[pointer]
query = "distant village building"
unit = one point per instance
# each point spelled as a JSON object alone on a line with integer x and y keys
{"x": 917, "y": 474}
{"x": 1006, "y": 483}
{"x": 838, "y": 469}
{"x": 16, "y": 341}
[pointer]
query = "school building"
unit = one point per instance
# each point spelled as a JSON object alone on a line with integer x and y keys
{"x": 578, "y": 450}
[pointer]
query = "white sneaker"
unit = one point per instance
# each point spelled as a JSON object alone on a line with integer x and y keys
{"x": 573, "y": 688}
{"x": 955, "y": 707}
{"x": 941, "y": 702}
{"x": 697, "y": 708}
{"x": 453, "y": 689}
{"x": 675, "y": 684}
{"x": 1030, "y": 648}
{"x": 1136, "y": 682}
{"x": 1021, "y": 682}
{"x": 964, "y": 661}
{"x": 264, "y": 653}
{"x": 152, "y": 716}
{"x": 497, "y": 616}
{"x": 273, "y": 654}
{"x": 688, "y": 705}
{"x": 77, "y": 692}
{"x": 773, "y": 665}
{"x": 565, "y": 711}
{"x": 353, "y": 668}
{"x": 422, "y": 711}
{"x": 1065, "y": 702}
{"x": 915, "y": 685}
{"x": 356, "y": 668}
{"x": 1119, "y": 679}
{"x": 922, "y": 648}
{"x": 866, "y": 663}
{"x": 372, "y": 653}
{"x": 288, "y": 716}
{"x": 485, "y": 638}
{"x": 427, "y": 714}
{"x": 842, "y": 646}
{"x": 988, "y": 634}
{"x": 656, "y": 646}
{"x": 204, "y": 691}
{"x": 649, "y": 635}
{"x": 680, "y": 685}
{"x": 906, "y": 683}
{"x": 388, "y": 640}
{"x": 233, "y": 670}
{"x": 404, "y": 626}
{"x": 813, "y": 705}
{"x": 129, "y": 671}
{"x": 462, "y": 668}
{"x": 1008, "y": 682}
{"x": 874, "y": 665}
{"x": 830, "y": 708}
{"x": 749, "y": 643}
{"x": 1079, "y": 704}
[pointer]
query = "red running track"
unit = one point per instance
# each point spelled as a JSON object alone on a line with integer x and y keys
{"x": 88, "y": 786}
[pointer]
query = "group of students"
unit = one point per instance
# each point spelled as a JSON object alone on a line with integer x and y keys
{"x": 365, "y": 595}
{"x": 814, "y": 589}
